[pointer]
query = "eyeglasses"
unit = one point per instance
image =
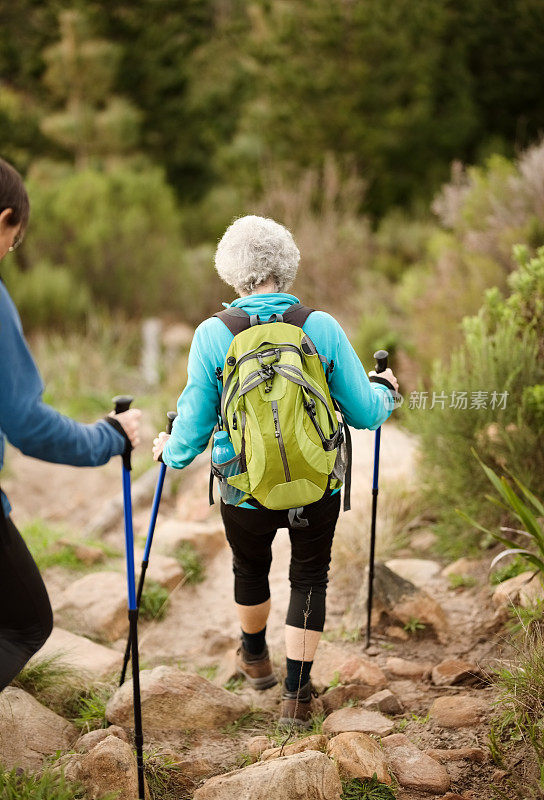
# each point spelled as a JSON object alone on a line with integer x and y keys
{"x": 16, "y": 242}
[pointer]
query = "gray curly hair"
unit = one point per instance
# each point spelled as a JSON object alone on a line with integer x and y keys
{"x": 254, "y": 250}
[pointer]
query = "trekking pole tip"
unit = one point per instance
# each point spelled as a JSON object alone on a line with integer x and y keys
{"x": 171, "y": 415}
{"x": 122, "y": 403}
{"x": 381, "y": 357}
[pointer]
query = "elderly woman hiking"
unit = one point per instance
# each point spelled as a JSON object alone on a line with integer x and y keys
{"x": 271, "y": 373}
{"x": 39, "y": 431}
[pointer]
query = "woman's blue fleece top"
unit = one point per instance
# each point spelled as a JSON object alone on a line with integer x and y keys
{"x": 29, "y": 423}
{"x": 363, "y": 404}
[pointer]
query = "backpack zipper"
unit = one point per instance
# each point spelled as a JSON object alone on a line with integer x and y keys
{"x": 279, "y": 437}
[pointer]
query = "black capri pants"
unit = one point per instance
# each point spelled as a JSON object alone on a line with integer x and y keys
{"x": 26, "y": 618}
{"x": 250, "y": 533}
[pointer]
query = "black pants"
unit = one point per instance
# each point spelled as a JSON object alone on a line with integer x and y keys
{"x": 250, "y": 533}
{"x": 26, "y": 619}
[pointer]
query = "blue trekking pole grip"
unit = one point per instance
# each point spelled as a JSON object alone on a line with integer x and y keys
{"x": 381, "y": 357}
{"x": 121, "y": 404}
{"x": 171, "y": 415}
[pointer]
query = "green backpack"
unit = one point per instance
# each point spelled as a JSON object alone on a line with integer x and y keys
{"x": 290, "y": 447}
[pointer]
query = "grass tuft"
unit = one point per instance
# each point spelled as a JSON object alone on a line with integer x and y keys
{"x": 154, "y": 601}
{"x": 457, "y": 581}
{"x": 163, "y": 774}
{"x": 368, "y": 789}
{"x": 17, "y": 784}
{"x": 191, "y": 562}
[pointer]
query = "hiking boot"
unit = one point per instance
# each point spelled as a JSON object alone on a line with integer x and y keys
{"x": 257, "y": 670}
{"x": 298, "y": 713}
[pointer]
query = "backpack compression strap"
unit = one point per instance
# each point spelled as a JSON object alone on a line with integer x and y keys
{"x": 238, "y": 320}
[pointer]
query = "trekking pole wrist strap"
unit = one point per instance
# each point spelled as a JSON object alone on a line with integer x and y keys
{"x": 383, "y": 381}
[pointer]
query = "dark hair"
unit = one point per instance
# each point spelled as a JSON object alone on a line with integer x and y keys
{"x": 13, "y": 195}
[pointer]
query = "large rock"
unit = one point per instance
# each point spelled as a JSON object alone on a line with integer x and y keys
{"x": 357, "y": 719}
{"x": 524, "y": 590}
{"x": 317, "y": 742}
{"x": 463, "y": 566}
{"x": 454, "y": 671}
{"x": 340, "y": 695}
{"x": 384, "y": 701}
{"x": 176, "y": 700}
{"x": 304, "y": 776}
{"x": 403, "y": 668}
{"x": 110, "y": 766}
{"x": 163, "y": 570}
{"x": 92, "y": 738}
{"x": 418, "y": 571}
{"x": 332, "y": 664}
{"x": 412, "y": 768}
{"x": 397, "y": 600}
{"x": 29, "y": 731}
{"x": 458, "y": 711}
{"x": 358, "y": 756}
{"x": 207, "y": 538}
{"x": 95, "y": 606}
{"x": 477, "y": 754}
{"x": 79, "y": 653}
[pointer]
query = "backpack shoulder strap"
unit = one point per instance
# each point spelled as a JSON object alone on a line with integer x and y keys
{"x": 297, "y": 315}
{"x": 235, "y": 319}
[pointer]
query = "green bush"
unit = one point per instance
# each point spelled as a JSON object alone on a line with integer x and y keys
{"x": 48, "y": 296}
{"x": 501, "y": 352}
{"x": 116, "y": 232}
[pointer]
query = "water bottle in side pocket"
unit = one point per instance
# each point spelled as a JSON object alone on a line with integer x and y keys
{"x": 227, "y": 463}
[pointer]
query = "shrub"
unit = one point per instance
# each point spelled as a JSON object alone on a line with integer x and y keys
{"x": 116, "y": 232}
{"x": 521, "y": 715}
{"x": 501, "y": 352}
{"x": 48, "y": 296}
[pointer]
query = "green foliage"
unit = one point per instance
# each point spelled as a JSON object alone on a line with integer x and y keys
{"x": 116, "y": 232}
{"x": 88, "y": 708}
{"x": 208, "y": 672}
{"x": 16, "y": 784}
{"x": 414, "y": 625}
{"x": 515, "y": 567}
{"x": 521, "y": 707}
{"x": 46, "y": 679}
{"x": 367, "y": 789}
{"x": 457, "y": 581}
{"x": 523, "y": 512}
{"x": 80, "y": 72}
{"x": 154, "y": 601}
{"x": 41, "y": 540}
{"x": 235, "y": 683}
{"x": 191, "y": 562}
{"x": 501, "y": 352}
{"x": 163, "y": 774}
{"x": 48, "y": 296}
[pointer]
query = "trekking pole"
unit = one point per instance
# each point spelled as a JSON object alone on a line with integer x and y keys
{"x": 122, "y": 403}
{"x": 381, "y": 357}
{"x": 171, "y": 415}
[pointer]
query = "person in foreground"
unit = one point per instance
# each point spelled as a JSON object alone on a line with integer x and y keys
{"x": 26, "y": 619}
{"x": 259, "y": 259}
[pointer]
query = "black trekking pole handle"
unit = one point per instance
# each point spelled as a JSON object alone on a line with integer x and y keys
{"x": 121, "y": 403}
{"x": 381, "y": 357}
{"x": 171, "y": 417}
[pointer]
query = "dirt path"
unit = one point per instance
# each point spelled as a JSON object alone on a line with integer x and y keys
{"x": 199, "y": 614}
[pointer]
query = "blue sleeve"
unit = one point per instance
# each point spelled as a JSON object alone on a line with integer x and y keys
{"x": 364, "y": 404}
{"x": 198, "y": 405}
{"x": 30, "y": 424}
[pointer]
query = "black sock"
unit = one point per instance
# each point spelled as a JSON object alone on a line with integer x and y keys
{"x": 254, "y": 643}
{"x": 294, "y": 676}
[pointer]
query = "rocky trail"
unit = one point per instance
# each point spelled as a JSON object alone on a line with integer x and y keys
{"x": 414, "y": 708}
